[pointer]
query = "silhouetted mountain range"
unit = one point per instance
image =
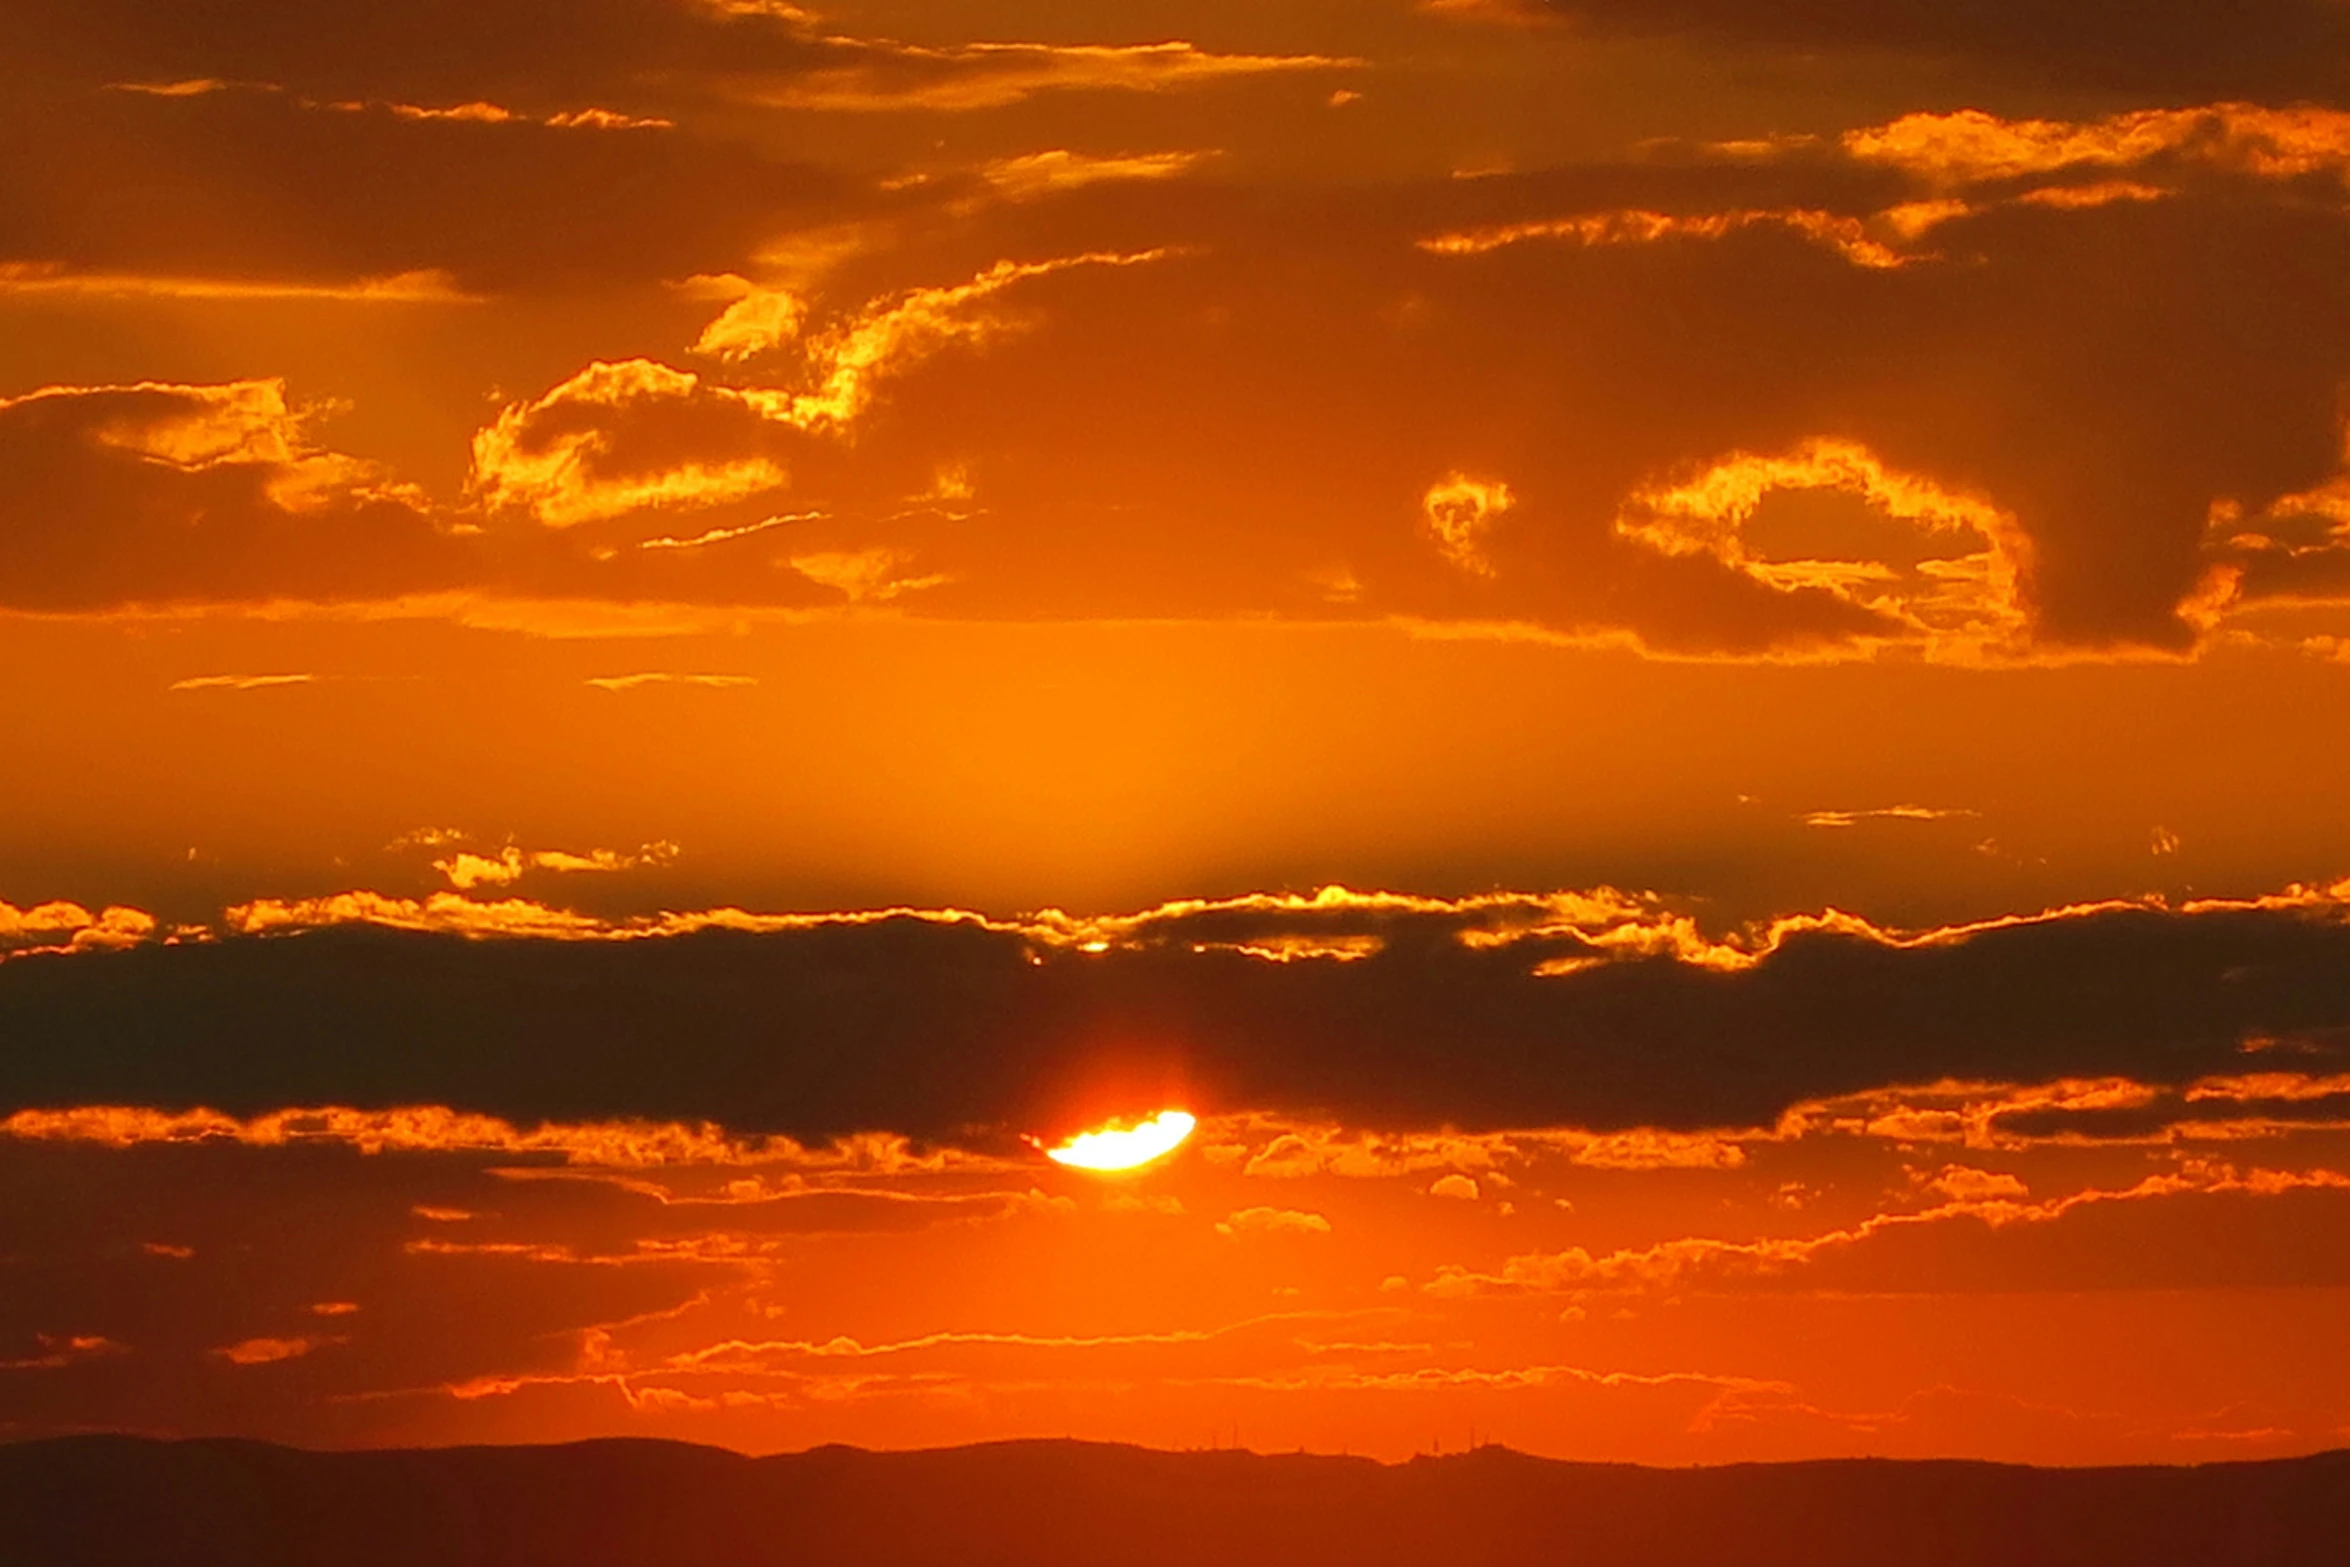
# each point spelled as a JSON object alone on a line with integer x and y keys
{"x": 114, "y": 1501}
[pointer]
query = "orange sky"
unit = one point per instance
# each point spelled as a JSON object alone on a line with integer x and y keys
{"x": 1798, "y": 564}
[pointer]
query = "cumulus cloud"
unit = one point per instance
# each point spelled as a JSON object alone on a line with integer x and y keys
{"x": 68, "y": 927}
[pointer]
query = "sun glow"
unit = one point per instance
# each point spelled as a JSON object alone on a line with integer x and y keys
{"x": 1117, "y": 1147}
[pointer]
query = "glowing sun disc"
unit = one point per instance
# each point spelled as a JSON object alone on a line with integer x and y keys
{"x": 1125, "y": 1147}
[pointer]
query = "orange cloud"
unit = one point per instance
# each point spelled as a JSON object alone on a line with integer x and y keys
{"x": 244, "y": 428}
{"x": 555, "y": 457}
{"x": 1963, "y": 602}
{"x": 1971, "y": 146}
{"x": 1058, "y": 169}
{"x": 1460, "y": 511}
{"x": 20, "y": 279}
{"x": 757, "y": 321}
{"x": 1847, "y": 237}
{"x": 467, "y": 871}
{"x": 64, "y": 1349}
{"x": 479, "y": 113}
{"x": 612, "y": 1145}
{"x": 1676, "y": 1263}
{"x": 894, "y": 76}
{"x": 575, "y": 454}
{"x": 845, "y": 365}
{"x": 268, "y": 1351}
{"x": 665, "y": 678}
{"x": 68, "y": 927}
{"x": 868, "y": 576}
{"x": 1272, "y": 1221}
{"x": 1887, "y": 813}
{"x": 239, "y": 682}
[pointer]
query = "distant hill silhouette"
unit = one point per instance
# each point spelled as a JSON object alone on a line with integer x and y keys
{"x": 113, "y": 1501}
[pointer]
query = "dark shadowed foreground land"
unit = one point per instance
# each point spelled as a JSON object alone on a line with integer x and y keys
{"x": 113, "y": 1500}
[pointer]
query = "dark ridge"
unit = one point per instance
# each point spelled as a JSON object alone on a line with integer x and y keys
{"x": 112, "y": 1500}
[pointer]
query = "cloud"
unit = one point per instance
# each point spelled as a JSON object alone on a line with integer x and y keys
{"x": 1959, "y": 591}
{"x": 621, "y": 438}
{"x": 970, "y": 1029}
{"x": 240, "y": 682}
{"x": 602, "y": 1145}
{"x": 2269, "y": 48}
{"x": 1870, "y": 1253}
{"x": 1971, "y": 146}
{"x": 1847, "y": 237}
{"x": 159, "y": 492}
{"x": 1884, "y": 813}
{"x": 1460, "y": 510}
{"x": 269, "y": 1351}
{"x": 40, "y": 280}
{"x": 467, "y": 871}
{"x": 758, "y": 321}
{"x": 1272, "y": 1221}
{"x": 867, "y": 576}
{"x": 636, "y": 436}
{"x": 1964, "y": 1183}
{"x": 373, "y": 195}
{"x": 65, "y": 1349}
{"x": 1725, "y": 442}
{"x": 666, "y": 678}
{"x": 1034, "y": 174}
{"x": 879, "y": 75}
{"x": 68, "y": 927}
{"x": 846, "y": 364}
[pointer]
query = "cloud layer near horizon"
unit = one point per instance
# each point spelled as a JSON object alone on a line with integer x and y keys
{"x": 1593, "y": 1012}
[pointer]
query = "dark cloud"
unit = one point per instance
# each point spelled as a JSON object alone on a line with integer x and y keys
{"x": 959, "y": 1032}
{"x": 547, "y": 55}
{"x": 254, "y": 184}
{"x": 538, "y": 54}
{"x": 2011, "y": 361}
{"x": 2262, "y": 48}
{"x": 1186, "y": 435}
{"x": 166, "y": 494}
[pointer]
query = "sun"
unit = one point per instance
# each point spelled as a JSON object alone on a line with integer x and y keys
{"x": 1118, "y": 1146}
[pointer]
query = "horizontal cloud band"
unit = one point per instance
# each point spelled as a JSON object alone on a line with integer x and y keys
{"x": 1401, "y": 1013}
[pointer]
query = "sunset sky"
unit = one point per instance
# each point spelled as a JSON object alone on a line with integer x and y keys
{"x": 1682, "y": 665}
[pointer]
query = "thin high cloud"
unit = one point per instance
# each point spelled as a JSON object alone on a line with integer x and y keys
{"x": 879, "y": 76}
